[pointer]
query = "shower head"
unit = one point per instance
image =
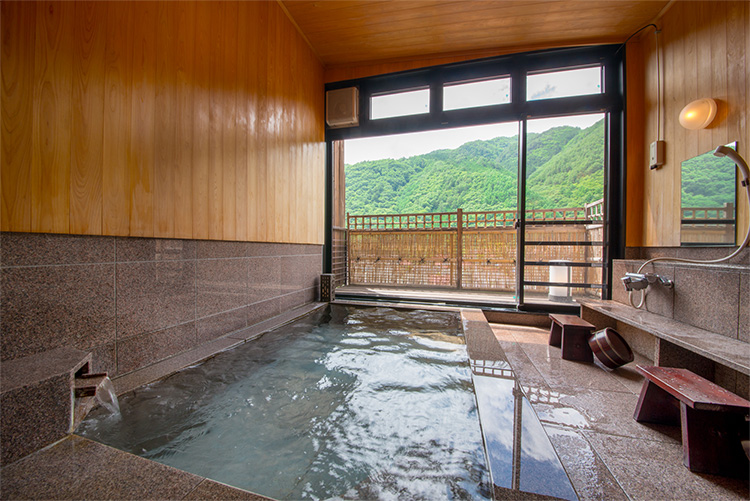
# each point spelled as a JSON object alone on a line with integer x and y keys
{"x": 726, "y": 151}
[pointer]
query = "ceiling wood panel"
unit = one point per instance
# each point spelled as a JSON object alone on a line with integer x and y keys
{"x": 361, "y": 31}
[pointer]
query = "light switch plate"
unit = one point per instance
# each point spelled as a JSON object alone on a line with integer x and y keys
{"x": 657, "y": 154}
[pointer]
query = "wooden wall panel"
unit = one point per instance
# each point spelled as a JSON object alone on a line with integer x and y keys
{"x": 704, "y": 50}
{"x": 171, "y": 119}
{"x": 185, "y": 96}
{"x": 116, "y": 127}
{"x": 142, "y": 120}
{"x": 86, "y": 196}
{"x": 18, "y": 44}
{"x": 201, "y": 119}
{"x": 165, "y": 124}
{"x": 50, "y": 133}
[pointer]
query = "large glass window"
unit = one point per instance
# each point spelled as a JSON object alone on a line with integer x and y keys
{"x": 530, "y": 214}
{"x": 564, "y": 230}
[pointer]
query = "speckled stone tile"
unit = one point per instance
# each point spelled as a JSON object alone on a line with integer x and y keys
{"x": 481, "y": 343}
{"x": 298, "y": 298}
{"x": 743, "y": 331}
{"x": 50, "y": 306}
{"x": 223, "y": 323}
{"x": 142, "y": 350}
{"x": 708, "y": 299}
{"x": 33, "y": 417}
{"x": 262, "y": 310}
{"x": 77, "y": 468}
{"x": 514, "y": 352}
{"x": 214, "y": 249}
{"x": 659, "y": 299}
{"x": 559, "y": 373}
{"x": 221, "y": 285}
{"x": 628, "y": 376}
{"x": 263, "y": 249}
{"x": 600, "y": 411}
{"x": 299, "y": 272}
{"x": 264, "y": 278}
{"x": 166, "y": 367}
{"x": 522, "y": 366}
{"x": 104, "y": 358}
{"x": 641, "y": 343}
{"x": 619, "y": 268}
{"x": 154, "y": 295}
{"x": 210, "y": 490}
{"x": 154, "y": 249}
{"x": 36, "y": 368}
{"x": 41, "y": 249}
{"x": 649, "y": 470}
{"x": 589, "y": 475}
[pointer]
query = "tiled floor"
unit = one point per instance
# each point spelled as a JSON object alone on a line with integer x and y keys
{"x": 588, "y": 415}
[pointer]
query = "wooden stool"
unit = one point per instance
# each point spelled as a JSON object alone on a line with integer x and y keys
{"x": 712, "y": 418}
{"x": 573, "y": 334}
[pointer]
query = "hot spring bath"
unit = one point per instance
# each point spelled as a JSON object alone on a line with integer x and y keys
{"x": 347, "y": 402}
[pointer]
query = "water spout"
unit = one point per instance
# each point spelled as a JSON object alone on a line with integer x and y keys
{"x": 106, "y": 396}
{"x": 101, "y": 388}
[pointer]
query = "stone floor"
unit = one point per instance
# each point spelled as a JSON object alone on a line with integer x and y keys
{"x": 587, "y": 413}
{"x": 77, "y": 468}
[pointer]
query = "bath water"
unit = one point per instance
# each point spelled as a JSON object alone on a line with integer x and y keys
{"x": 351, "y": 403}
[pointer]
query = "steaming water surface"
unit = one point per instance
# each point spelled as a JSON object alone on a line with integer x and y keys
{"x": 368, "y": 403}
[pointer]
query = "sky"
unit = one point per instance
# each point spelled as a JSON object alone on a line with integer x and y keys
{"x": 549, "y": 85}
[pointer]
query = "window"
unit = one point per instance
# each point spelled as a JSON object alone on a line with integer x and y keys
{"x": 566, "y": 83}
{"x": 457, "y": 96}
{"x": 413, "y": 102}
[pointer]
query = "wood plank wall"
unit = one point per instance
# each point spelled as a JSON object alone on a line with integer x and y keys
{"x": 161, "y": 119}
{"x": 704, "y": 51}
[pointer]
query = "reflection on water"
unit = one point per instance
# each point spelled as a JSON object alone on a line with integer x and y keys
{"x": 368, "y": 403}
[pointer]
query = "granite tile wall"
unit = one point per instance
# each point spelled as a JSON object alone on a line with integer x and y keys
{"x": 712, "y": 297}
{"x": 135, "y": 301}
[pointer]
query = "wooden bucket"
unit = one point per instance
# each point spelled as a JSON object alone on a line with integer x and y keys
{"x": 610, "y": 348}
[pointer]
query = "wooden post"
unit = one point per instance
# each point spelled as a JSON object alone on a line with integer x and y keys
{"x": 459, "y": 246}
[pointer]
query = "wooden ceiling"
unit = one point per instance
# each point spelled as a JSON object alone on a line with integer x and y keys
{"x": 368, "y": 31}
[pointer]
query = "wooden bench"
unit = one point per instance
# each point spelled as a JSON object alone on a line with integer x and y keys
{"x": 573, "y": 334}
{"x": 713, "y": 420}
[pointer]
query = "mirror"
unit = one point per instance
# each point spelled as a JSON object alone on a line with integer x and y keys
{"x": 708, "y": 200}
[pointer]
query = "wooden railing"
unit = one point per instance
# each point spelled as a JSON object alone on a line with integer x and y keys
{"x": 708, "y": 225}
{"x": 472, "y": 250}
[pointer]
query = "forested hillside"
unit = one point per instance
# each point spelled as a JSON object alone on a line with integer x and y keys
{"x": 564, "y": 169}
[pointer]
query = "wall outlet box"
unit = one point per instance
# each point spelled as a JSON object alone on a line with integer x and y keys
{"x": 657, "y": 154}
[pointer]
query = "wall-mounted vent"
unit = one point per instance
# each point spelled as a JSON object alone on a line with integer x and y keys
{"x": 342, "y": 107}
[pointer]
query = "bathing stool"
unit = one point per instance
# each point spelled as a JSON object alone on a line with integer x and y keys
{"x": 573, "y": 333}
{"x": 713, "y": 420}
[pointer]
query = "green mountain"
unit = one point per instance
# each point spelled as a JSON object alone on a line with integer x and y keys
{"x": 564, "y": 169}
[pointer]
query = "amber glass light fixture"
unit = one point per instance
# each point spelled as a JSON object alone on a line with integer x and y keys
{"x": 699, "y": 114}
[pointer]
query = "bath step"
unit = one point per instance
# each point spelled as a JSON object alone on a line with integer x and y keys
{"x": 713, "y": 419}
{"x": 573, "y": 334}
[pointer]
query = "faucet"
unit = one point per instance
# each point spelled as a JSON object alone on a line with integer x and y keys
{"x": 639, "y": 281}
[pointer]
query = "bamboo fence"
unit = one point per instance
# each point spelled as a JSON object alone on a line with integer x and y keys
{"x": 472, "y": 250}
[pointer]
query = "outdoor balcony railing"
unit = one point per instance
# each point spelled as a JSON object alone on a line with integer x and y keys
{"x": 472, "y": 250}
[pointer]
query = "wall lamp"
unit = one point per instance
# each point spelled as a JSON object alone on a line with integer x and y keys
{"x": 699, "y": 114}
